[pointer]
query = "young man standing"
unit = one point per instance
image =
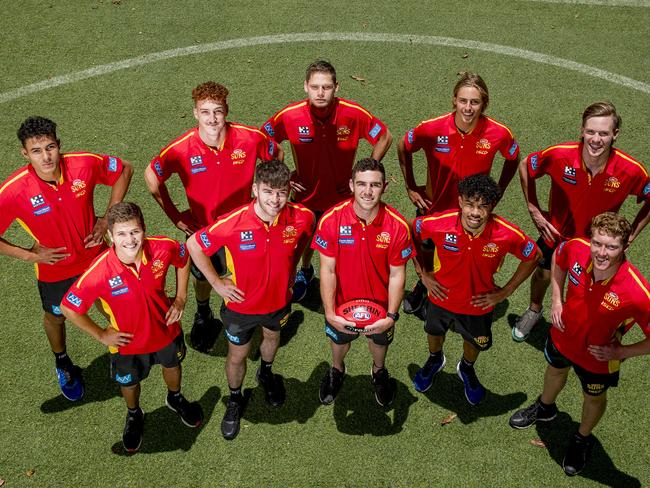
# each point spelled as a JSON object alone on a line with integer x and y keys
{"x": 52, "y": 199}
{"x": 324, "y": 131}
{"x": 604, "y": 296}
{"x": 588, "y": 177}
{"x": 263, "y": 241}
{"x": 215, "y": 162}
{"x": 457, "y": 144}
{"x": 144, "y": 329}
{"x": 364, "y": 246}
{"x": 469, "y": 246}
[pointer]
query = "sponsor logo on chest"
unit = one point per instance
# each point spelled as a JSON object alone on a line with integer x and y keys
{"x": 611, "y": 184}
{"x": 490, "y": 250}
{"x": 78, "y": 188}
{"x": 289, "y": 234}
{"x": 157, "y": 268}
{"x": 569, "y": 175}
{"x": 117, "y": 285}
{"x": 38, "y": 204}
{"x": 611, "y": 301}
{"x": 451, "y": 241}
{"x": 382, "y": 240}
{"x": 342, "y": 133}
{"x": 483, "y": 146}
{"x": 238, "y": 156}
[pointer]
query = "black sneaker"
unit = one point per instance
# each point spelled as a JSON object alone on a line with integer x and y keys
{"x": 273, "y": 387}
{"x": 536, "y": 412}
{"x": 231, "y": 419}
{"x": 190, "y": 413}
{"x": 577, "y": 454}
{"x": 331, "y": 385}
{"x": 204, "y": 332}
{"x": 415, "y": 300}
{"x": 133, "y": 431}
{"x": 384, "y": 391}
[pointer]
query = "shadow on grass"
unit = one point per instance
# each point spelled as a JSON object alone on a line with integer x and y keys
{"x": 164, "y": 431}
{"x": 357, "y": 413}
{"x": 300, "y": 405}
{"x": 600, "y": 468}
{"x": 538, "y": 335}
{"x": 312, "y": 300}
{"x": 99, "y": 387}
{"x": 447, "y": 391}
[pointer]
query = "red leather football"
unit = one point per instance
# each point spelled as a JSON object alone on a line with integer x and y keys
{"x": 361, "y": 311}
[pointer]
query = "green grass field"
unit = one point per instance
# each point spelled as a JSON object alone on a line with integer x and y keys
{"x": 543, "y": 62}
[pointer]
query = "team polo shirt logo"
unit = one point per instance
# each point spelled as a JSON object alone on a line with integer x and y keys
{"x": 269, "y": 129}
{"x": 246, "y": 235}
{"x": 418, "y": 226}
{"x": 482, "y": 146}
{"x": 345, "y": 230}
{"x": 112, "y": 164}
{"x": 576, "y": 271}
{"x": 407, "y": 252}
{"x": 74, "y": 299}
{"x": 37, "y": 201}
{"x": 646, "y": 189}
{"x": 157, "y": 268}
{"x": 342, "y": 133}
{"x": 443, "y": 140}
{"x": 409, "y": 136}
{"x": 612, "y": 184}
{"x": 375, "y": 130}
{"x": 570, "y": 175}
{"x": 197, "y": 165}
{"x": 321, "y": 242}
{"x": 383, "y": 240}
{"x": 345, "y": 235}
{"x": 118, "y": 287}
{"x": 204, "y": 239}
{"x": 238, "y": 156}
{"x": 450, "y": 242}
{"x": 246, "y": 238}
{"x": 182, "y": 251}
{"x": 78, "y": 188}
{"x": 513, "y": 148}
{"x": 528, "y": 249}
{"x": 158, "y": 169}
{"x": 490, "y": 250}
{"x": 289, "y": 234}
{"x": 534, "y": 162}
{"x": 303, "y": 133}
{"x": 611, "y": 301}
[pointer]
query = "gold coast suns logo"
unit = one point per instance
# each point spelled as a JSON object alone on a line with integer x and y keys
{"x": 490, "y": 250}
{"x": 78, "y": 188}
{"x": 482, "y": 146}
{"x": 383, "y": 240}
{"x": 157, "y": 268}
{"x": 612, "y": 184}
{"x": 289, "y": 234}
{"x": 342, "y": 133}
{"x": 610, "y": 301}
{"x": 238, "y": 156}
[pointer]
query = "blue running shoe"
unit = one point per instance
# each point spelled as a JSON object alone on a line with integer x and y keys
{"x": 301, "y": 284}
{"x": 71, "y": 383}
{"x": 424, "y": 377}
{"x": 474, "y": 391}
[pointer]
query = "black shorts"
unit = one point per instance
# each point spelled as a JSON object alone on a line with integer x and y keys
{"x": 239, "y": 327}
{"x": 52, "y": 294}
{"x": 337, "y": 337}
{"x": 593, "y": 384}
{"x": 475, "y": 329}
{"x": 131, "y": 369}
{"x": 547, "y": 254}
{"x": 218, "y": 260}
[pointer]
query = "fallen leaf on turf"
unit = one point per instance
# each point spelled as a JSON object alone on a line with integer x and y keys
{"x": 538, "y": 443}
{"x": 2, "y": 482}
{"x": 30, "y": 472}
{"x": 358, "y": 78}
{"x": 392, "y": 179}
{"x": 116, "y": 449}
{"x": 465, "y": 56}
{"x": 448, "y": 419}
{"x": 117, "y": 2}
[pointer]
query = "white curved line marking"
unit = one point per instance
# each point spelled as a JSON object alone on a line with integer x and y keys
{"x": 606, "y": 3}
{"x": 323, "y": 36}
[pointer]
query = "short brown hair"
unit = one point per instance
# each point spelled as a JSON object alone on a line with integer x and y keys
{"x": 368, "y": 164}
{"x": 613, "y": 225}
{"x": 124, "y": 212}
{"x": 210, "y": 91}
{"x": 602, "y": 109}
{"x": 320, "y": 66}
{"x": 475, "y": 81}
{"x": 274, "y": 173}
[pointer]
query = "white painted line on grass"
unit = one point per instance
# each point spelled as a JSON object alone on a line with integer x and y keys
{"x": 606, "y": 3}
{"x": 319, "y": 37}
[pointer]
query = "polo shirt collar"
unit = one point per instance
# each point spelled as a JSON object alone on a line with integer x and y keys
{"x": 376, "y": 222}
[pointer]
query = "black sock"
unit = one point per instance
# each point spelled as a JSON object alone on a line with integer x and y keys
{"x": 203, "y": 307}
{"x": 544, "y": 405}
{"x": 435, "y": 356}
{"x": 173, "y": 396}
{"x": 135, "y": 411}
{"x": 265, "y": 368}
{"x": 465, "y": 364}
{"x": 62, "y": 360}
{"x": 236, "y": 394}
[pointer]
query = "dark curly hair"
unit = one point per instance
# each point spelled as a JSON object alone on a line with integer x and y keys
{"x": 274, "y": 173}
{"x": 480, "y": 186}
{"x": 36, "y": 126}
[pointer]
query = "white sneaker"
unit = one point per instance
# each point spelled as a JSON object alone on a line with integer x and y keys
{"x": 525, "y": 324}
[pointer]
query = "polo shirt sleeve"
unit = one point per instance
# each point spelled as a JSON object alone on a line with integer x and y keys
{"x": 416, "y": 138}
{"x": 179, "y": 254}
{"x": 109, "y": 169}
{"x": 275, "y": 128}
{"x": 538, "y": 163}
{"x": 325, "y": 237}
{"x": 7, "y": 209}
{"x": 522, "y": 246}
{"x": 164, "y": 165}
{"x": 210, "y": 238}
{"x": 82, "y": 294}
{"x": 402, "y": 250}
{"x": 372, "y": 128}
{"x": 562, "y": 255}
{"x": 642, "y": 189}
{"x": 509, "y": 148}
{"x": 267, "y": 148}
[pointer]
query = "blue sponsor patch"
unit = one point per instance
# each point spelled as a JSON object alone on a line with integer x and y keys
{"x": 321, "y": 242}
{"x": 513, "y": 148}
{"x": 232, "y": 338}
{"x": 182, "y": 251}
{"x": 444, "y": 149}
{"x": 528, "y": 248}
{"x": 271, "y": 148}
{"x": 450, "y": 248}
{"x": 74, "y": 299}
{"x": 407, "y": 252}
{"x": 348, "y": 241}
{"x": 442, "y": 140}
{"x": 646, "y": 189}
{"x": 418, "y": 226}
{"x": 247, "y": 247}
{"x": 43, "y": 210}
{"x": 246, "y": 235}
{"x": 204, "y": 239}
{"x": 56, "y": 310}
{"x": 569, "y": 180}
{"x": 306, "y": 139}
{"x": 123, "y": 379}
{"x": 573, "y": 279}
{"x": 157, "y": 168}
{"x": 196, "y": 160}
{"x": 199, "y": 169}
{"x": 345, "y": 230}
{"x": 375, "y": 130}
{"x": 115, "y": 282}
{"x": 269, "y": 129}
{"x": 112, "y": 164}
{"x": 409, "y": 136}
{"x": 329, "y": 330}
{"x": 37, "y": 201}
{"x": 533, "y": 162}
{"x": 120, "y": 291}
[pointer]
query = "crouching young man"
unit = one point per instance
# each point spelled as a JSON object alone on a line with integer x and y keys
{"x": 145, "y": 329}
{"x": 605, "y": 296}
{"x": 263, "y": 242}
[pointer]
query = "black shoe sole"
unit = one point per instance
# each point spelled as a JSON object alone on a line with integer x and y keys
{"x": 193, "y": 426}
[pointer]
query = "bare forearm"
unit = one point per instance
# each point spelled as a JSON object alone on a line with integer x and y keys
{"x": 381, "y": 148}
